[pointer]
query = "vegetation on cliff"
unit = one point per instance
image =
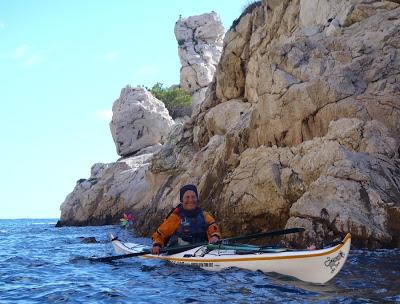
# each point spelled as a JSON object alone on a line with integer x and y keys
{"x": 176, "y": 100}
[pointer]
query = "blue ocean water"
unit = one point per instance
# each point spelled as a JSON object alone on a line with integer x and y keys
{"x": 43, "y": 264}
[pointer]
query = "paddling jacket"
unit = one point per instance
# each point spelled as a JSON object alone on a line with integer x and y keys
{"x": 191, "y": 227}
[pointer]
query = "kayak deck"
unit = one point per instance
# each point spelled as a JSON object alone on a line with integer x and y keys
{"x": 317, "y": 266}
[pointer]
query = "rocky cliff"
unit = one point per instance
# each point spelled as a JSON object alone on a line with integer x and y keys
{"x": 200, "y": 41}
{"x": 299, "y": 127}
{"x": 139, "y": 124}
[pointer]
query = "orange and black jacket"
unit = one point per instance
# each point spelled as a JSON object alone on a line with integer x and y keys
{"x": 172, "y": 224}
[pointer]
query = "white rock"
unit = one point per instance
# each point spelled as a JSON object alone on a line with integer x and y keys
{"x": 200, "y": 41}
{"x": 346, "y": 12}
{"x": 346, "y": 205}
{"x": 139, "y": 120}
{"x": 334, "y": 28}
{"x": 111, "y": 190}
{"x": 97, "y": 169}
{"x": 225, "y": 116}
{"x": 197, "y": 99}
{"x": 311, "y": 30}
{"x": 320, "y": 11}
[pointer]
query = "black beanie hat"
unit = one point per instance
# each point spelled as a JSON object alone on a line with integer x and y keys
{"x": 187, "y": 188}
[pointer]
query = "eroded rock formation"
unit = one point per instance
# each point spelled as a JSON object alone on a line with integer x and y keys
{"x": 300, "y": 127}
{"x": 199, "y": 47}
{"x": 139, "y": 121}
{"x": 109, "y": 192}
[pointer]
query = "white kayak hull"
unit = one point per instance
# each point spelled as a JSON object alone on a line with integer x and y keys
{"x": 316, "y": 266}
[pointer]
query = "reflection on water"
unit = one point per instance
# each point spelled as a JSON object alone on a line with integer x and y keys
{"x": 43, "y": 264}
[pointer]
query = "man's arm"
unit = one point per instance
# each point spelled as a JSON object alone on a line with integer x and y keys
{"x": 165, "y": 230}
{"x": 212, "y": 228}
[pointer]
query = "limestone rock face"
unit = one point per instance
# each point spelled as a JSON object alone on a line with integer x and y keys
{"x": 139, "y": 120}
{"x": 140, "y": 123}
{"x": 301, "y": 78}
{"x": 320, "y": 185}
{"x": 199, "y": 47}
{"x": 300, "y": 126}
{"x": 350, "y": 189}
{"x": 225, "y": 116}
{"x": 111, "y": 190}
{"x": 346, "y": 12}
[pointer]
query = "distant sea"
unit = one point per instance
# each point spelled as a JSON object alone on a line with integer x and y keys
{"x": 43, "y": 264}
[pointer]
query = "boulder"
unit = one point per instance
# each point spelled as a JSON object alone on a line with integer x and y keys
{"x": 88, "y": 240}
{"x": 139, "y": 120}
{"x": 112, "y": 190}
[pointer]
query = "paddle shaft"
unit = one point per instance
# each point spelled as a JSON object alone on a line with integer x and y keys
{"x": 170, "y": 250}
{"x": 176, "y": 249}
{"x": 118, "y": 257}
{"x": 261, "y": 234}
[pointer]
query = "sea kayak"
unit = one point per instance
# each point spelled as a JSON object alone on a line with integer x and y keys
{"x": 316, "y": 266}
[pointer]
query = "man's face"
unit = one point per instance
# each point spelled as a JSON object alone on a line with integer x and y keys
{"x": 189, "y": 200}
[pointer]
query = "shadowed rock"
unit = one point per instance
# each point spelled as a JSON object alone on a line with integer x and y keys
{"x": 89, "y": 240}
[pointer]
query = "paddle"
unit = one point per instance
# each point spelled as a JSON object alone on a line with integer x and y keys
{"x": 261, "y": 234}
{"x": 176, "y": 249}
{"x": 117, "y": 257}
{"x": 170, "y": 250}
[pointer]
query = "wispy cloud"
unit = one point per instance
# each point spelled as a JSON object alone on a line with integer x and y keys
{"x": 146, "y": 70}
{"x": 112, "y": 56}
{"x": 21, "y": 51}
{"x": 28, "y": 58}
{"x": 33, "y": 59}
{"x": 103, "y": 114}
{"x": 2, "y": 25}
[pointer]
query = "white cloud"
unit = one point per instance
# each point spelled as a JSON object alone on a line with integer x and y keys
{"x": 21, "y": 51}
{"x": 28, "y": 58}
{"x": 103, "y": 114}
{"x": 2, "y": 25}
{"x": 33, "y": 60}
{"x": 112, "y": 56}
{"x": 146, "y": 70}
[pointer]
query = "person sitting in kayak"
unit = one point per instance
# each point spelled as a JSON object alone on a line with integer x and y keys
{"x": 186, "y": 224}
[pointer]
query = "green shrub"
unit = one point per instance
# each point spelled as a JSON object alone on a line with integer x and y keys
{"x": 172, "y": 97}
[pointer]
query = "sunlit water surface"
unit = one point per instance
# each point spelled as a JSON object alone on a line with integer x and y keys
{"x": 43, "y": 264}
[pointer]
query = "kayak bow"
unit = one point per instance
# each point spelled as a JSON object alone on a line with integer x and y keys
{"x": 316, "y": 266}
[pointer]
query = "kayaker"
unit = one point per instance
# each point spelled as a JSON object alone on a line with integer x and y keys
{"x": 186, "y": 224}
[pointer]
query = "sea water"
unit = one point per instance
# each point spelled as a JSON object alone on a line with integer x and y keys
{"x": 43, "y": 264}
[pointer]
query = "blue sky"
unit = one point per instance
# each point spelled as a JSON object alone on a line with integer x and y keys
{"x": 62, "y": 65}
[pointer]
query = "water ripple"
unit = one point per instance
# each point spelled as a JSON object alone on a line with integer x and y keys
{"x": 43, "y": 264}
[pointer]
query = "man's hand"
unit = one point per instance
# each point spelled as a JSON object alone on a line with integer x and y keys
{"x": 155, "y": 249}
{"x": 214, "y": 239}
{"x": 312, "y": 247}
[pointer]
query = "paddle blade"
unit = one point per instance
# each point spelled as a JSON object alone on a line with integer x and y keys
{"x": 118, "y": 257}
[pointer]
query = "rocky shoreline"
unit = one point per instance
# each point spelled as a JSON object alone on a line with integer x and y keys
{"x": 296, "y": 124}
